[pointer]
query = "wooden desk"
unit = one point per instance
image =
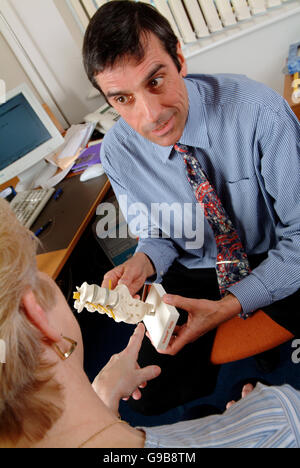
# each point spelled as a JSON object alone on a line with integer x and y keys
{"x": 70, "y": 215}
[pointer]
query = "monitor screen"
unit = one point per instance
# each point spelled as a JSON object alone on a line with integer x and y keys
{"x": 27, "y": 136}
{"x": 21, "y": 130}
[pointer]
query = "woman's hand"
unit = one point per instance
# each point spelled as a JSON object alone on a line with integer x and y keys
{"x": 247, "y": 388}
{"x": 122, "y": 376}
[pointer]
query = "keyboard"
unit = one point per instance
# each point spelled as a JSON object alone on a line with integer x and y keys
{"x": 28, "y": 205}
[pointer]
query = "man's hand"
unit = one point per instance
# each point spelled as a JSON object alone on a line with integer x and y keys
{"x": 122, "y": 376}
{"x": 203, "y": 315}
{"x": 133, "y": 273}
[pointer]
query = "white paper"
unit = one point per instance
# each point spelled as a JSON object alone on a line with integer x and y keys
{"x": 53, "y": 181}
{"x": 76, "y": 140}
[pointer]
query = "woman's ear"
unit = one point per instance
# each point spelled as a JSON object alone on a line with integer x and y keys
{"x": 182, "y": 60}
{"x": 37, "y": 316}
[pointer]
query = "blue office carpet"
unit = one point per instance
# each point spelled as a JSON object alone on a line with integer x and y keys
{"x": 103, "y": 337}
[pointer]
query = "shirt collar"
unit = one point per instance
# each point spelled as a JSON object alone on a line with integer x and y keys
{"x": 195, "y": 131}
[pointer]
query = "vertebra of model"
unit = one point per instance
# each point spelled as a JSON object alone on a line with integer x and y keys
{"x": 117, "y": 303}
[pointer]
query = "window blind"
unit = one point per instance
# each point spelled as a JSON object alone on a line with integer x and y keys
{"x": 195, "y": 20}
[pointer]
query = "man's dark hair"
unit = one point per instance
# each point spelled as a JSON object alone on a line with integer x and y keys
{"x": 115, "y": 31}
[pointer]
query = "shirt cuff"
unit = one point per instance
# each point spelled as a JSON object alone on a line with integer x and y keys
{"x": 162, "y": 259}
{"x": 251, "y": 294}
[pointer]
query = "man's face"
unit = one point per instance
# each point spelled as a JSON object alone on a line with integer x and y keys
{"x": 151, "y": 95}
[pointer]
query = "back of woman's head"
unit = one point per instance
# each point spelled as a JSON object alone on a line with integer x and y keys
{"x": 24, "y": 375}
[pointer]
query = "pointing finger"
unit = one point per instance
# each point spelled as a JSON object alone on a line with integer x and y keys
{"x": 135, "y": 341}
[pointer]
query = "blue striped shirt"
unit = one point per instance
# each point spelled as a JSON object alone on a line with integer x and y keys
{"x": 246, "y": 139}
{"x": 268, "y": 417}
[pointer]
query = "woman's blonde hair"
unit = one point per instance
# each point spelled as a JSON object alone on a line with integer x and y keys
{"x": 26, "y": 382}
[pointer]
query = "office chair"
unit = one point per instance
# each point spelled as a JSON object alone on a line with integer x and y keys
{"x": 238, "y": 339}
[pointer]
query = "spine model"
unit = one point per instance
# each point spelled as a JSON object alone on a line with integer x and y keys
{"x": 116, "y": 303}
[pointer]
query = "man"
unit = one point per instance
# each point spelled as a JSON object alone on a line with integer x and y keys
{"x": 245, "y": 138}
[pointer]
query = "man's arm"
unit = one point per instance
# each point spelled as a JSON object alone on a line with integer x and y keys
{"x": 154, "y": 254}
{"x": 279, "y": 176}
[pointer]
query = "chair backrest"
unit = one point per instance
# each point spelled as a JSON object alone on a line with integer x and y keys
{"x": 238, "y": 339}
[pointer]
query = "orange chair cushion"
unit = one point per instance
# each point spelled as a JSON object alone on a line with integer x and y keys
{"x": 238, "y": 339}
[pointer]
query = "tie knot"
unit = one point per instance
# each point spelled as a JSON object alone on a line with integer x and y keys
{"x": 181, "y": 148}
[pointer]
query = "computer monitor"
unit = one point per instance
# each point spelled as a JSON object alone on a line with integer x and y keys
{"x": 27, "y": 136}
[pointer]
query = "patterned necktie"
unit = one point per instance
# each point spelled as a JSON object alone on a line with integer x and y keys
{"x": 232, "y": 263}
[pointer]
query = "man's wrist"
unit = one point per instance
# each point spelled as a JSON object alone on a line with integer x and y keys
{"x": 229, "y": 306}
{"x": 148, "y": 264}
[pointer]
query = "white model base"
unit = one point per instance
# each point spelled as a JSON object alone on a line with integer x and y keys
{"x": 161, "y": 325}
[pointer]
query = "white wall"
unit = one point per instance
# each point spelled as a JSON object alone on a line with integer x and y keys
{"x": 10, "y": 69}
{"x": 53, "y": 40}
{"x": 54, "y": 53}
{"x": 261, "y": 55}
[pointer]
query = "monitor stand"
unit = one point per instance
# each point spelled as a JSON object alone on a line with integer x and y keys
{"x": 35, "y": 176}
